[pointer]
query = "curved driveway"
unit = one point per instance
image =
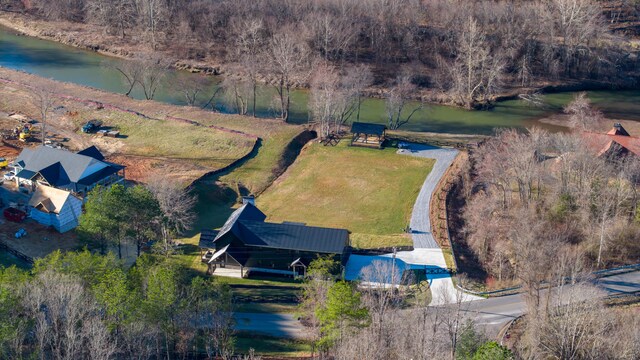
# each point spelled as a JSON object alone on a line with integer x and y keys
{"x": 426, "y": 254}
{"x": 420, "y": 223}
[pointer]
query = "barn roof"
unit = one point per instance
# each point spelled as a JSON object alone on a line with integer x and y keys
{"x": 616, "y": 139}
{"x": 245, "y": 212}
{"x": 248, "y": 225}
{"x": 367, "y": 128}
{"x": 294, "y": 237}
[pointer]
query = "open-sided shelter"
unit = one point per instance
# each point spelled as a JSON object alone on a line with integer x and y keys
{"x": 367, "y": 134}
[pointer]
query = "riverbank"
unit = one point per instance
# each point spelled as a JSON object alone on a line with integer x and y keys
{"x": 180, "y": 142}
{"x": 95, "y": 38}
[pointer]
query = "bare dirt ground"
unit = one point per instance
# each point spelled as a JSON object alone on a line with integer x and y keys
{"x": 40, "y": 240}
{"x": 152, "y": 127}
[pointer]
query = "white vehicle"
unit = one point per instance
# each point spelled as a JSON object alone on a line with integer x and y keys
{"x": 9, "y": 176}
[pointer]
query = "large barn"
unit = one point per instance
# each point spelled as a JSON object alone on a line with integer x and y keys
{"x": 247, "y": 243}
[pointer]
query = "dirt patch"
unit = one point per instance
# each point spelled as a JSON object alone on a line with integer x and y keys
{"x": 40, "y": 240}
{"x": 140, "y": 168}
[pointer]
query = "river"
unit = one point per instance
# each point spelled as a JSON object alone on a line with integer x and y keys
{"x": 65, "y": 63}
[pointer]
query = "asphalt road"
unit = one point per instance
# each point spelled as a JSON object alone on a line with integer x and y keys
{"x": 494, "y": 313}
{"x": 491, "y": 313}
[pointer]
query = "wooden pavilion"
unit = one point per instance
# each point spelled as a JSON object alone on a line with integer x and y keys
{"x": 367, "y": 134}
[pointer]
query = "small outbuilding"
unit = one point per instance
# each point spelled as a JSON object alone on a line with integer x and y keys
{"x": 55, "y": 207}
{"x": 367, "y": 134}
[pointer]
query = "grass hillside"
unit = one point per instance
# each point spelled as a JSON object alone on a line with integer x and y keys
{"x": 370, "y": 192}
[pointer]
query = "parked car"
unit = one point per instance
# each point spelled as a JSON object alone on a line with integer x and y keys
{"x": 92, "y": 126}
{"x": 9, "y": 176}
{"x": 3, "y": 163}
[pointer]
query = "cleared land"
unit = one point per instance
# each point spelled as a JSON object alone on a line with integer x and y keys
{"x": 368, "y": 191}
{"x": 182, "y": 142}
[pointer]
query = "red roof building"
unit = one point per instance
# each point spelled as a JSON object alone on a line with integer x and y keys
{"x": 615, "y": 143}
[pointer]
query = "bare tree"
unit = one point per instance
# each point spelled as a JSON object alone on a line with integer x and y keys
{"x": 176, "y": 205}
{"x": 289, "y": 59}
{"x": 582, "y": 116}
{"x": 398, "y": 99}
{"x": 356, "y": 80}
{"x": 155, "y": 15}
{"x": 250, "y": 46}
{"x": 130, "y": 70}
{"x": 325, "y": 99}
{"x": 477, "y": 72}
{"x": 117, "y": 15}
{"x": 151, "y": 75}
{"x": 191, "y": 87}
{"x": 238, "y": 90}
{"x": 44, "y": 99}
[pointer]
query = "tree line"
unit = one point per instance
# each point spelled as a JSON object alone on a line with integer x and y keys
{"x": 146, "y": 216}
{"x": 461, "y": 52}
{"x": 364, "y": 320}
{"x": 80, "y": 305}
{"x": 534, "y": 198}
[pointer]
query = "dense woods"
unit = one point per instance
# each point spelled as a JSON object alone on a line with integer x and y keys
{"x": 537, "y": 202}
{"x": 86, "y": 306}
{"x": 461, "y": 52}
{"x": 372, "y": 323}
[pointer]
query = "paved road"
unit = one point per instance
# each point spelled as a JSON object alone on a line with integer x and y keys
{"x": 496, "y": 312}
{"x": 420, "y": 223}
{"x": 492, "y": 313}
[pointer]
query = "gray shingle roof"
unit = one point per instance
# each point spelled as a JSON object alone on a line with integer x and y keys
{"x": 207, "y": 237}
{"x": 70, "y": 168}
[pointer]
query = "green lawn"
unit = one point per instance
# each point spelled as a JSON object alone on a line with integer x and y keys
{"x": 270, "y": 346}
{"x": 176, "y": 140}
{"x": 367, "y": 191}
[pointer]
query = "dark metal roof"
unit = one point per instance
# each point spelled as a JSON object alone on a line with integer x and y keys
{"x": 207, "y": 238}
{"x": 247, "y": 211}
{"x": 293, "y": 237}
{"x": 93, "y": 152}
{"x": 367, "y": 128}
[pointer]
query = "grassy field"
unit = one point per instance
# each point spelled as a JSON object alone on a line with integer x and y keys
{"x": 172, "y": 139}
{"x": 270, "y": 346}
{"x": 218, "y": 195}
{"x": 368, "y": 191}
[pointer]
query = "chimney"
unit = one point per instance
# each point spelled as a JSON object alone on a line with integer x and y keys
{"x": 617, "y": 126}
{"x": 249, "y": 199}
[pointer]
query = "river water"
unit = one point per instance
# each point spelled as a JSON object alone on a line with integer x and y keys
{"x": 65, "y": 63}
